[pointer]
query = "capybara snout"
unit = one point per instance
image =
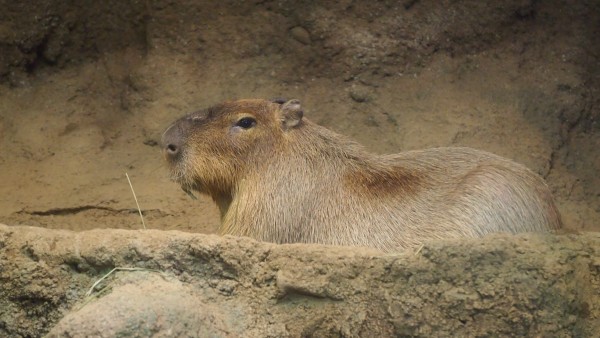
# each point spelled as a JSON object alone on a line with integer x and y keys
{"x": 175, "y": 138}
{"x": 172, "y": 142}
{"x": 278, "y": 177}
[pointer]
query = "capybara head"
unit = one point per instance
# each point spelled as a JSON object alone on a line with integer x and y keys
{"x": 210, "y": 149}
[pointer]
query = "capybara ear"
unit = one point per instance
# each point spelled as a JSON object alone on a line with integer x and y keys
{"x": 278, "y": 100}
{"x": 291, "y": 113}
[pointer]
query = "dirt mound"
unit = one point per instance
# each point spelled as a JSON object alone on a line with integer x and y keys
{"x": 150, "y": 305}
{"x": 524, "y": 285}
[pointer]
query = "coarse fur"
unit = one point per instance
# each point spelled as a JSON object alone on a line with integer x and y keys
{"x": 285, "y": 179}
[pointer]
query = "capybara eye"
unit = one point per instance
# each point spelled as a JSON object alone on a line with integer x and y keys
{"x": 246, "y": 122}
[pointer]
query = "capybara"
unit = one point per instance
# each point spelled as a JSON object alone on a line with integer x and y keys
{"x": 278, "y": 177}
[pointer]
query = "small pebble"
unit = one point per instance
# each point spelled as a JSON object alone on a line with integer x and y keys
{"x": 360, "y": 93}
{"x": 301, "y": 35}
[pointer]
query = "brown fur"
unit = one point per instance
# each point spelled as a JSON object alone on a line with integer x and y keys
{"x": 287, "y": 180}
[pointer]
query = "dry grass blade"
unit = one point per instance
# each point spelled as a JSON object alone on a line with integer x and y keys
{"x": 419, "y": 250}
{"x": 136, "y": 201}
{"x": 89, "y": 292}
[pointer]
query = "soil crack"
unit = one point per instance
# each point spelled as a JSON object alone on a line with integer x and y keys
{"x": 83, "y": 208}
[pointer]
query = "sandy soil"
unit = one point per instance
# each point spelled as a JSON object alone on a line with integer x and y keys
{"x": 85, "y": 93}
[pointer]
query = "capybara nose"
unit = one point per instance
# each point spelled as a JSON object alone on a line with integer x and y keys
{"x": 175, "y": 138}
{"x": 173, "y": 141}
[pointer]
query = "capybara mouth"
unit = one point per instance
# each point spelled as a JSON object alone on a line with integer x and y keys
{"x": 180, "y": 176}
{"x": 189, "y": 188}
{"x": 188, "y": 192}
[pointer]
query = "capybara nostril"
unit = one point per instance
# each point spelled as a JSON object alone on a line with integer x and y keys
{"x": 172, "y": 149}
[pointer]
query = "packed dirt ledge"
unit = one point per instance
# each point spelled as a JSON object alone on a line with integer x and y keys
{"x": 175, "y": 283}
